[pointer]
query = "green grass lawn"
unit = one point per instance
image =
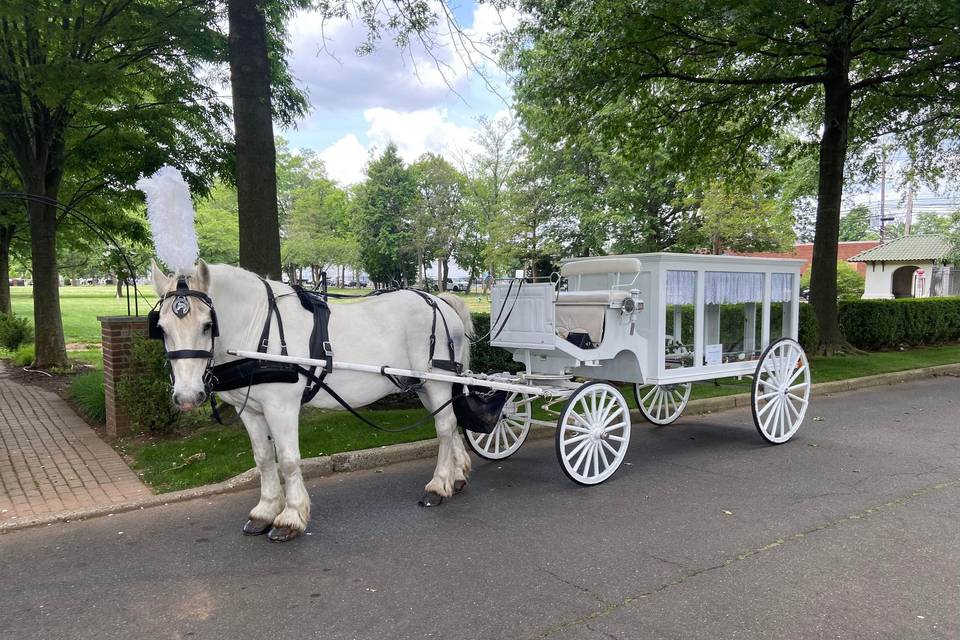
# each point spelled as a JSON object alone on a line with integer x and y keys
{"x": 168, "y": 464}
{"x": 80, "y": 306}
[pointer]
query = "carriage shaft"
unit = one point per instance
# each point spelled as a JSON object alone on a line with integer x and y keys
{"x": 393, "y": 371}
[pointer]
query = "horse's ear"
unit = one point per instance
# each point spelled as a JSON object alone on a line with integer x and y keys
{"x": 201, "y": 276}
{"x": 161, "y": 281}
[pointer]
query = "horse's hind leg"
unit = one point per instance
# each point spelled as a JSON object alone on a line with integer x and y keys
{"x": 292, "y": 521}
{"x": 271, "y": 494}
{"x": 453, "y": 463}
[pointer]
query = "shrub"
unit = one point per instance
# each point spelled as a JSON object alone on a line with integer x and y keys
{"x": 808, "y": 333}
{"x": 145, "y": 390}
{"x": 87, "y": 392}
{"x": 23, "y": 357}
{"x": 483, "y": 357}
{"x": 14, "y": 331}
{"x": 849, "y": 281}
{"x": 875, "y": 324}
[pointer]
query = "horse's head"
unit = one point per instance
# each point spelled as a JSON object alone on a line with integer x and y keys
{"x": 186, "y": 321}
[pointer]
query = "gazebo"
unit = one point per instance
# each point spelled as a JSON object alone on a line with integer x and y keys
{"x": 908, "y": 267}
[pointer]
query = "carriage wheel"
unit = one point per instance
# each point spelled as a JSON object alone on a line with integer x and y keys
{"x": 781, "y": 390}
{"x": 593, "y": 433}
{"x": 662, "y": 403}
{"x": 510, "y": 432}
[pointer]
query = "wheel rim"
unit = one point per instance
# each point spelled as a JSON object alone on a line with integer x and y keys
{"x": 662, "y": 404}
{"x": 781, "y": 391}
{"x": 509, "y": 433}
{"x": 593, "y": 433}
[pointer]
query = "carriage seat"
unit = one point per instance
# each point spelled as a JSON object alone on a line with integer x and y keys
{"x": 584, "y": 311}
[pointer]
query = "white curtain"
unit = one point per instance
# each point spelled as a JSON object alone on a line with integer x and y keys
{"x": 728, "y": 287}
{"x": 781, "y": 287}
{"x": 681, "y": 287}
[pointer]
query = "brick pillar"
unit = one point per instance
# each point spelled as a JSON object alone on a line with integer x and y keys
{"x": 117, "y": 333}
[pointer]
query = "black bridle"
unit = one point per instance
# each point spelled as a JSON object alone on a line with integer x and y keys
{"x": 181, "y": 307}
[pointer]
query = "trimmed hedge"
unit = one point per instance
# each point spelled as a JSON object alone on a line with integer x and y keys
{"x": 877, "y": 324}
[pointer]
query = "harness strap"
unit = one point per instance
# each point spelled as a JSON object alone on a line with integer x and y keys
{"x": 318, "y": 381}
{"x": 448, "y": 365}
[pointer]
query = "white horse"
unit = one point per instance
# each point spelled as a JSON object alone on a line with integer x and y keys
{"x": 392, "y": 329}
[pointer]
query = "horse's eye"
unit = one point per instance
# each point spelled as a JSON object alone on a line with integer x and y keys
{"x": 207, "y": 327}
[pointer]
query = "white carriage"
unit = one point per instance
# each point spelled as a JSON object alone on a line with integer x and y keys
{"x": 658, "y": 322}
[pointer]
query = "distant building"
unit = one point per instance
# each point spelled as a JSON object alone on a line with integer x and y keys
{"x": 909, "y": 267}
{"x": 804, "y": 250}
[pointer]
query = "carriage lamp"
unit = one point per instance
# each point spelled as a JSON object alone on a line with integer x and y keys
{"x": 635, "y": 298}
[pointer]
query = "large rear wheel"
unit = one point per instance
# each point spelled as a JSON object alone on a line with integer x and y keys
{"x": 662, "y": 403}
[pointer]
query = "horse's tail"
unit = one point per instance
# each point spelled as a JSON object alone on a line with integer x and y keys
{"x": 463, "y": 311}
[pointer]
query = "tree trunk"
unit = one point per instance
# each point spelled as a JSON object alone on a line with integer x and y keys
{"x": 6, "y": 235}
{"x": 119, "y": 281}
{"x": 444, "y": 271}
{"x": 256, "y": 163}
{"x": 50, "y": 349}
{"x": 833, "y": 155}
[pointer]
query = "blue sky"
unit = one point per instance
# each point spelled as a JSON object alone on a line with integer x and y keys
{"x": 359, "y": 103}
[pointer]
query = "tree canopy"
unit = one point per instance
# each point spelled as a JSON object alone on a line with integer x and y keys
{"x": 717, "y": 82}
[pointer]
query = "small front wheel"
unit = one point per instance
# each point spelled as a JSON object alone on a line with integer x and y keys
{"x": 593, "y": 433}
{"x": 662, "y": 404}
{"x": 510, "y": 432}
{"x": 781, "y": 391}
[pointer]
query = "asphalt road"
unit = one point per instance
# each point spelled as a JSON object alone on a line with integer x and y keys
{"x": 848, "y": 531}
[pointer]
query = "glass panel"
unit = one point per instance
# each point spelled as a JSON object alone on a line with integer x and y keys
{"x": 781, "y": 306}
{"x": 678, "y": 343}
{"x": 732, "y": 321}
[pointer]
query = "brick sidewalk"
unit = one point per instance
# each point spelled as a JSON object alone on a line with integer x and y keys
{"x": 51, "y": 461}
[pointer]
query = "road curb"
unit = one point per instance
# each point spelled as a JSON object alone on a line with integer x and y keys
{"x": 392, "y": 454}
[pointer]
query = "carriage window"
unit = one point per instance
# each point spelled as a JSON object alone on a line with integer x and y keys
{"x": 781, "y": 306}
{"x": 732, "y": 324}
{"x": 678, "y": 344}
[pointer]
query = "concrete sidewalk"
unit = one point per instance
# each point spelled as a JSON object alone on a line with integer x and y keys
{"x": 51, "y": 461}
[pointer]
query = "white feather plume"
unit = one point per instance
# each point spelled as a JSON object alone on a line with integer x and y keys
{"x": 171, "y": 214}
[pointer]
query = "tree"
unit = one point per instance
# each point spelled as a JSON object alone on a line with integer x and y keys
{"x": 318, "y": 231}
{"x": 724, "y": 78}
{"x": 217, "y": 224}
{"x": 440, "y": 206}
{"x": 743, "y": 219}
{"x": 384, "y": 206}
{"x": 855, "y": 225}
{"x": 489, "y": 169}
{"x": 81, "y": 82}
{"x": 257, "y": 71}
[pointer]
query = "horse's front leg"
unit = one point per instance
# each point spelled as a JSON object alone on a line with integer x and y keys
{"x": 284, "y": 425}
{"x": 271, "y": 494}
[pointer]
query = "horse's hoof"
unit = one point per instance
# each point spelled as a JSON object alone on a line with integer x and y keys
{"x": 430, "y": 499}
{"x": 256, "y": 527}
{"x": 282, "y": 534}
{"x": 459, "y": 486}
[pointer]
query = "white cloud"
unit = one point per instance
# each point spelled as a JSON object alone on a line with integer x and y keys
{"x": 325, "y": 61}
{"x": 345, "y": 160}
{"x": 414, "y": 132}
{"x": 418, "y": 132}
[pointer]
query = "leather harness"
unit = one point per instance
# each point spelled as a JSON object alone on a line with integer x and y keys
{"x": 246, "y": 372}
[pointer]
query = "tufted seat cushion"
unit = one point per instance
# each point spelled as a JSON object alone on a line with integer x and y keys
{"x": 584, "y": 311}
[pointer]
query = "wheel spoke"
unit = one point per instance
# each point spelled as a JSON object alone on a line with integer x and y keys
{"x": 614, "y": 427}
{"x": 569, "y": 455}
{"x": 653, "y": 390}
{"x": 583, "y": 456}
{"x": 596, "y": 460}
{"x": 603, "y": 454}
{"x": 616, "y": 438}
{"x": 608, "y": 447}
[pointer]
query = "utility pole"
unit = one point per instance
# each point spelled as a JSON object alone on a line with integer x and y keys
{"x": 909, "y": 210}
{"x": 883, "y": 195}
